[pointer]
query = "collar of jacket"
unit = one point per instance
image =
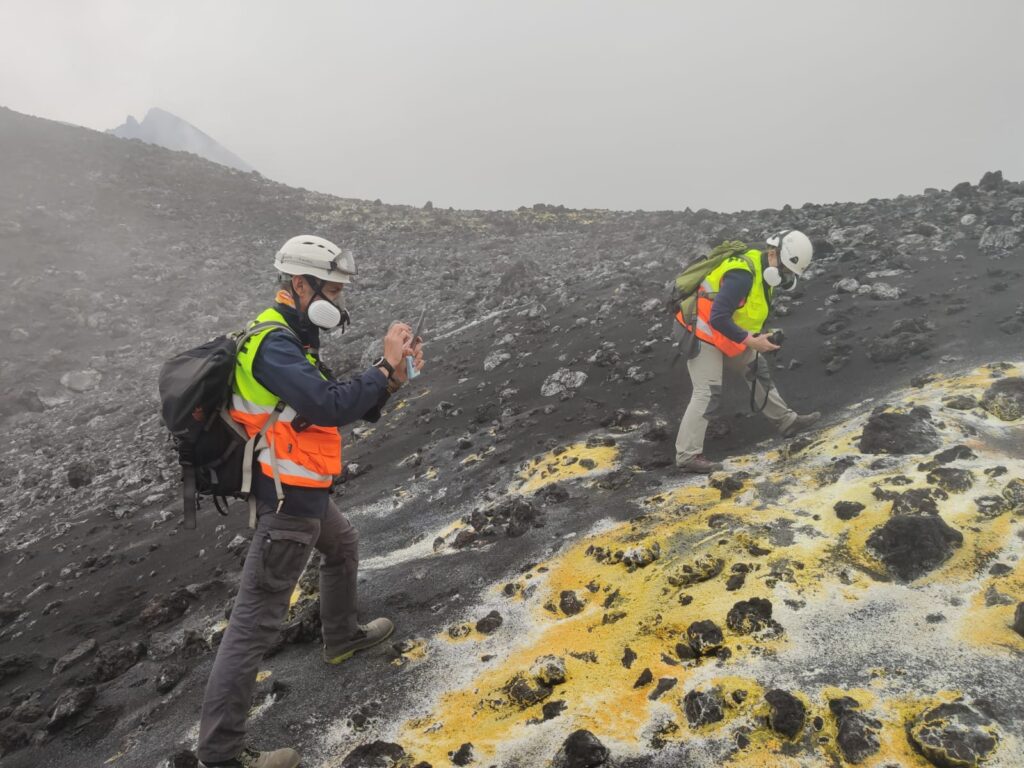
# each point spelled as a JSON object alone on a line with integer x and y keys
{"x": 308, "y": 333}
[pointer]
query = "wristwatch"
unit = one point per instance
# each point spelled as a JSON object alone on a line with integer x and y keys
{"x": 383, "y": 363}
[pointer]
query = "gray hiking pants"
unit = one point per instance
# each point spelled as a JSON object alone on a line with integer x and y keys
{"x": 706, "y": 374}
{"x": 280, "y": 548}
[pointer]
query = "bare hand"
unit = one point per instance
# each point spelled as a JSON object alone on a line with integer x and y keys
{"x": 760, "y": 344}
{"x": 396, "y": 340}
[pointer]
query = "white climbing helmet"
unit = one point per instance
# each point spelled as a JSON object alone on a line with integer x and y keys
{"x": 314, "y": 256}
{"x": 795, "y": 249}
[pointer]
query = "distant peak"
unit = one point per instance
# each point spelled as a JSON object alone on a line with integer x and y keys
{"x": 167, "y": 130}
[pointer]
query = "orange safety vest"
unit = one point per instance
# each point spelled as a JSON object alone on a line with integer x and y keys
{"x": 309, "y": 457}
{"x": 748, "y": 317}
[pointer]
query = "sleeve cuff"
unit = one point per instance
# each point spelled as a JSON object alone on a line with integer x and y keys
{"x": 378, "y": 376}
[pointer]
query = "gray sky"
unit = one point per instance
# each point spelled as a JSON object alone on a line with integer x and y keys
{"x": 587, "y": 103}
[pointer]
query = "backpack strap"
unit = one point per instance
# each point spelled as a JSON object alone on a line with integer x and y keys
{"x": 256, "y": 328}
{"x": 260, "y": 440}
{"x": 189, "y": 495}
{"x": 257, "y": 441}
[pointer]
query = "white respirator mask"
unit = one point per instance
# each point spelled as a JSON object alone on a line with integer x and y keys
{"x": 324, "y": 314}
{"x": 774, "y": 278}
{"x": 327, "y": 314}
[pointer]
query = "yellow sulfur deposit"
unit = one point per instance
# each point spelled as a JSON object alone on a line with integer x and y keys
{"x": 576, "y": 460}
{"x": 768, "y": 570}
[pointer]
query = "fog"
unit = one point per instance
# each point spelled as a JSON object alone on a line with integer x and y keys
{"x": 625, "y": 105}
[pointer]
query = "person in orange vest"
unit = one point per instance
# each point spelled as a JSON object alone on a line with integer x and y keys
{"x": 281, "y": 386}
{"x": 733, "y": 303}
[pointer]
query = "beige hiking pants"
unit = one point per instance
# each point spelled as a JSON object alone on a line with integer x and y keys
{"x": 706, "y": 374}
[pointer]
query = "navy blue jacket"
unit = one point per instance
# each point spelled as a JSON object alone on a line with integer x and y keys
{"x": 281, "y": 366}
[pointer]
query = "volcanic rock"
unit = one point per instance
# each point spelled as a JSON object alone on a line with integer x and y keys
{"x": 628, "y": 657}
{"x": 169, "y": 675}
{"x": 885, "y": 292}
{"x": 704, "y": 568}
{"x": 525, "y": 692}
{"x": 80, "y": 473}
{"x": 69, "y": 704}
{"x": 1018, "y": 620}
{"x": 1014, "y": 494}
{"x": 13, "y": 665}
{"x": 463, "y": 755}
{"x": 81, "y": 381}
{"x": 905, "y": 338}
{"x": 915, "y": 501}
{"x": 847, "y": 510}
{"x": 787, "y": 713}
{"x": 705, "y": 637}
{"x": 952, "y": 479}
{"x": 549, "y": 670}
{"x": 961, "y": 402}
{"x": 912, "y": 545}
{"x": 899, "y": 433}
{"x": 563, "y": 383}
{"x": 29, "y": 710}
{"x": 991, "y": 506}
{"x": 991, "y": 181}
{"x": 954, "y": 736}
{"x": 552, "y": 709}
{"x": 13, "y": 737}
{"x": 496, "y": 358}
{"x": 114, "y": 659}
{"x": 646, "y": 678}
{"x": 729, "y": 485}
{"x": 164, "y": 608}
{"x": 570, "y": 603}
{"x": 581, "y": 749}
{"x": 703, "y": 707}
{"x": 999, "y": 239}
{"x": 489, "y": 623}
{"x": 664, "y": 685}
{"x": 8, "y": 613}
{"x": 749, "y": 616}
{"x": 1005, "y": 399}
{"x": 80, "y": 651}
{"x": 376, "y": 754}
{"x": 516, "y": 513}
{"x": 183, "y": 759}
{"x": 857, "y": 733}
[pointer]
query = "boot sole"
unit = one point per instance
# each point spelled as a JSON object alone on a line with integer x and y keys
{"x": 341, "y": 657}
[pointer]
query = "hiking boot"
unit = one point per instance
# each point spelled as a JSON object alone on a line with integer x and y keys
{"x": 250, "y": 758}
{"x": 367, "y": 636}
{"x": 800, "y": 423}
{"x": 699, "y": 465}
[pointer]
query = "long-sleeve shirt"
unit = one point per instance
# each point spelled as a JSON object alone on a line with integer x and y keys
{"x": 281, "y": 366}
{"x": 734, "y": 288}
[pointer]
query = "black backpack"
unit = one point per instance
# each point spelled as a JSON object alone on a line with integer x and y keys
{"x": 214, "y": 451}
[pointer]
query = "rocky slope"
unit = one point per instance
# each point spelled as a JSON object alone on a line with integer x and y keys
{"x": 171, "y": 132}
{"x": 562, "y": 593}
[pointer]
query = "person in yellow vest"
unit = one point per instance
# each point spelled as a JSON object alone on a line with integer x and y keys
{"x": 733, "y": 303}
{"x": 282, "y": 389}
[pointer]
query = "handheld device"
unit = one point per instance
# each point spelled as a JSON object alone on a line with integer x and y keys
{"x": 410, "y": 366}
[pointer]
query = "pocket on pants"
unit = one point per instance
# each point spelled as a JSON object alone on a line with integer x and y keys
{"x": 284, "y": 556}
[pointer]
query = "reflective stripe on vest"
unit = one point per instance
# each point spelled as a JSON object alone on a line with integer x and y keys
{"x": 751, "y": 313}
{"x": 310, "y": 457}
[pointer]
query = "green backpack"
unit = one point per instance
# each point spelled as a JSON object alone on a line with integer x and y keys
{"x": 683, "y": 297}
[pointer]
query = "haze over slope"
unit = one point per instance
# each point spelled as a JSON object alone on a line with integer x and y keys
{"x": 524, "y": 457}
